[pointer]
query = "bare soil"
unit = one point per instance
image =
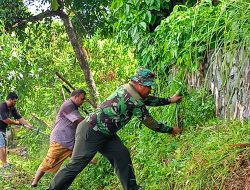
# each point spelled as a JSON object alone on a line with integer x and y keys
{"x": 240, "y": 174}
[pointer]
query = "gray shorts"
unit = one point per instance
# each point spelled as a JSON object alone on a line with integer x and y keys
{"x": 2, "y": 139}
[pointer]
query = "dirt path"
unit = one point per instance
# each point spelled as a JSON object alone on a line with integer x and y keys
{"x": 240, "y": 174}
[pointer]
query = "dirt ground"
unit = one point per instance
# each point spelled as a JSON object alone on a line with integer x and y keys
{"x": 240, "y": 174}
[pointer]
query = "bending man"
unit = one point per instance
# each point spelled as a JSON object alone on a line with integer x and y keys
{"x": 62, "y": 137}
{"x": 97, "y": 133}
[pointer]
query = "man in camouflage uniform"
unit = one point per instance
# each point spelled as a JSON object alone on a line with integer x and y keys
{"x": 97, "y": 133}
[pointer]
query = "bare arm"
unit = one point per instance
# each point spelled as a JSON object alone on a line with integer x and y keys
{"x": 11, "y": 122}
{"x": 25, "y": 123}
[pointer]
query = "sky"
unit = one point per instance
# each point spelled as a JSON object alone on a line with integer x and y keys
{"x": 35, "y": 6}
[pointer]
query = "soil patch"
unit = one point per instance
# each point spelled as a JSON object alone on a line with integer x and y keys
{"x": 240, "y": 174}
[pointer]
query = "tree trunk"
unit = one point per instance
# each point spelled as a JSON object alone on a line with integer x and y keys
{"x": 80, "y": 54}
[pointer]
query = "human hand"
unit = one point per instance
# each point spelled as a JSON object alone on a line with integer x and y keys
{"x": 176, "y": 98}
{"x": 176, "y": 131}
{"x": 18, "y": 122}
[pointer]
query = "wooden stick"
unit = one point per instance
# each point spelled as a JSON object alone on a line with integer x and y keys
{"x": 240, "y": 145}
{"x": 63, "y": 94}
{"x": 39, "y": 119}
{"x": 64, "y": 80}
{"x": 68, "y": 83}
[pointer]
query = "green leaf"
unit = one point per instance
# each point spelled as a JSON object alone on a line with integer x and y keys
{"x": 157, "y": 28}
{"x": 135, "y": 2}
{"x": 127, "y": 9}
{"x": 54, "y": 5}
{"x": 158, "y": 4}
{"x": 148, "y": 2}
{"x": 134, "y": 31}
{"x": 136, "y": 38}
{"x": 149, "y": 16}
{"x": 143, "y": 25}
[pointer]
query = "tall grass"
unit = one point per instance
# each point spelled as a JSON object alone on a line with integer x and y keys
{"x": 201, "y": 158}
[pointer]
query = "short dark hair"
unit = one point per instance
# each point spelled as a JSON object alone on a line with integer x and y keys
{"x": 77, "y": 92}
{"x": 12, "y": 96}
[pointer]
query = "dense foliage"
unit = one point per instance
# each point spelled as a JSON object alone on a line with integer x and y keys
{"x": 30, "y": 67}
{"x": 184, "y": 38}
{"x": 164, "y": 36}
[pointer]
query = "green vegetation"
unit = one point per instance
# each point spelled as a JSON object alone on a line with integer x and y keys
{"x": 186, "y": 39}
{"x": 201, "y": 158}
{"x": 174, "y": 39}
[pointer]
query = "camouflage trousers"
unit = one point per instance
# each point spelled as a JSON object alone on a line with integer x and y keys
{"x": 87, "y": 143}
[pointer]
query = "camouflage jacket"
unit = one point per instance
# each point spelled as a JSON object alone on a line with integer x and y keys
{"x": 117, "y": 110}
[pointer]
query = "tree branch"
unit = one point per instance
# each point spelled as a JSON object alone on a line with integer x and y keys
{"x": 64, "y": 80}
{"x": 81, "y": 55}
{"x": 35, "y": 18}
{"x": 39, "y": 119}
{"x": 73, "y": 88}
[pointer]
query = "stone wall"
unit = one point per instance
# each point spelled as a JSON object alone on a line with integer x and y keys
{"x": 229, "y": 80}
{"x": 227, "y": 75}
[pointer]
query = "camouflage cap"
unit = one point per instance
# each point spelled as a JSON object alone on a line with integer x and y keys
{"x": 143, "y": 76}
